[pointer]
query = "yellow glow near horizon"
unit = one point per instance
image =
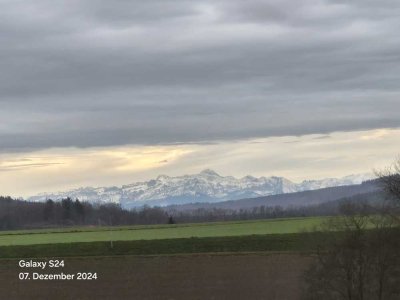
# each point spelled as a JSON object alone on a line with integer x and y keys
{"x": 297, "y": 158}
{"x": 76, "y": 167}
{"x": 376, "y": 134}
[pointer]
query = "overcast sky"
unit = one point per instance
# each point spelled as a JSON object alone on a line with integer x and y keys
{"x": 90, "y": 76}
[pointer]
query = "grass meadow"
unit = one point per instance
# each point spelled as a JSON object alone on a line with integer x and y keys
{"x": 160, "y": 232}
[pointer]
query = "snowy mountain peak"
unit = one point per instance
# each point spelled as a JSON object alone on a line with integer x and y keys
{"x": 209, "y": 172}
{"x": 206, "y": 186}
{"x": 162, "y": 177}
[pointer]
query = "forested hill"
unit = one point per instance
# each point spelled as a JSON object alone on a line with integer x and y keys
{"x": 298, "y": 199}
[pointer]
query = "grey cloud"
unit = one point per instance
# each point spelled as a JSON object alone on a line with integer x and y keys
{"x": 101, "y": 73}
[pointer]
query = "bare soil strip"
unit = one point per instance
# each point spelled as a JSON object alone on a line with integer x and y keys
{"x": 179, "y": 277}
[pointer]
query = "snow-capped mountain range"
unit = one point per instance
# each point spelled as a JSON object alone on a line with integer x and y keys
{"x": 207, "y": 186}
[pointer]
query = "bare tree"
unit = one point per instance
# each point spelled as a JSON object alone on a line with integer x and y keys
{"x": 389, "y": 179}
{"x": 359, "y": 260}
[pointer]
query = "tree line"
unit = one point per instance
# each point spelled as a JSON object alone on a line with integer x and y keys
{"x": 19, "y": 214}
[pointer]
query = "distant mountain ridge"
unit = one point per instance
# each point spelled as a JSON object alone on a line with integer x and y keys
{"x": 368, "y": 191}
{"x": 206, "y": 186}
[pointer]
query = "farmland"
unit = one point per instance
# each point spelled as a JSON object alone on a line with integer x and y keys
{"x": 135, "y": 233}
{"x": 180, "y": 277}
{"x": 234, "y": 260}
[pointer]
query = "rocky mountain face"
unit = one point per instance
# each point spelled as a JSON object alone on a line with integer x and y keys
{"x": 207, "y": 186}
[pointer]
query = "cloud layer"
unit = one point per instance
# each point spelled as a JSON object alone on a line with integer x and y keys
{"x": 296, "y": 158}
{"x": 100, "y": 73}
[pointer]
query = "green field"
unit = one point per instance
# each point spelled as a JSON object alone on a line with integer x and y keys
{"x": 221, "y": 229}
{"x": 292, "y": 242}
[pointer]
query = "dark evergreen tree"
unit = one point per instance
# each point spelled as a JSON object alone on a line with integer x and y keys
{"x": 48, "y": 211}
{"x": 66, "y": 205}
{"x": 79, "y": 211}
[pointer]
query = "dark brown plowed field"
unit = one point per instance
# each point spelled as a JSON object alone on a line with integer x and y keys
{"x": 183, "y": 277}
